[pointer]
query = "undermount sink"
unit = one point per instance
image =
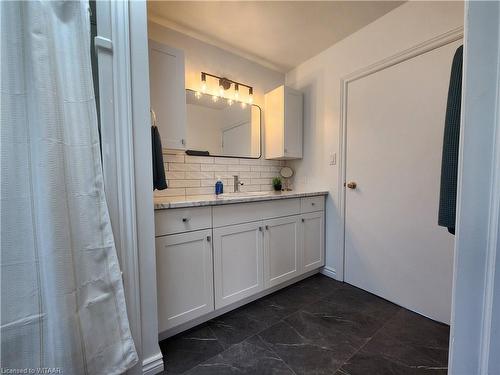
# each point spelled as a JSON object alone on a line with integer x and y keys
{"x": 246, "y": 194}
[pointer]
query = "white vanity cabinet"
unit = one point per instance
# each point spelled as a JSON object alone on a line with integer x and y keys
{"x": 312, "y": 239}
{"x": 168, "y": 95}
{"x": 281, "y": 249}
{"x": 184, "y": 277}
{"x": 256, "y": 248}
{"x": 283, "y": 118}
{"x": 238, "y": 262}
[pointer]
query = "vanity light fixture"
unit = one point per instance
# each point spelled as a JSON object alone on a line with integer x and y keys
{"x": 203, "y": 83}
{"x": 224, "y": 85}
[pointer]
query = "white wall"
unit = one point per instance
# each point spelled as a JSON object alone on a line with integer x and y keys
{"x": 204, "y": 57}
{"x": 319, "y": 80}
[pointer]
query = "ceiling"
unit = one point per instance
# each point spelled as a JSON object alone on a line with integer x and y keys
{"x": 277, "y": 34}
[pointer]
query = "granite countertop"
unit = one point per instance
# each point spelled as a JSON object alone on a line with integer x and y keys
{"x": 161, "y": 203}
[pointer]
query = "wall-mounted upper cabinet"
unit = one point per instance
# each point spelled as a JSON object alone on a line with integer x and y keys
{"x": 283, "y": 123}
{"x": 167, "y": 89}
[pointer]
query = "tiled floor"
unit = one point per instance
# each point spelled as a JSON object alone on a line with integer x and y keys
{"x": 317, "y": 326}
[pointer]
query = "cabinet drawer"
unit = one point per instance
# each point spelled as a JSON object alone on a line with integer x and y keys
{"x": 254, "y": 211}
{"x": 180, "y": 220}
{"x": 311, "y": 204}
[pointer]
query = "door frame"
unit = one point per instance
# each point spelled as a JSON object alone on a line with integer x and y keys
{"x": 407, "y": 54}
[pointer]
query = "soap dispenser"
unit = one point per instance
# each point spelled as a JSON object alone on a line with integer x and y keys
{"x": 219, "y": 186}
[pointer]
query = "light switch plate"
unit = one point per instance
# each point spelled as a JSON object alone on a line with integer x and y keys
{"x": 333, "y": 158}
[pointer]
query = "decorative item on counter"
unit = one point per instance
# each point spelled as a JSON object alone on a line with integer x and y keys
{"x": 286, "y": 173}
{"x": 219, "y": 186}
{"x": 277, "y": 183}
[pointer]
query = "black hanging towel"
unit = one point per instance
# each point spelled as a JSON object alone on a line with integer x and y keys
{"x": 159, "y": 181}
{"x": 449, "y": 164}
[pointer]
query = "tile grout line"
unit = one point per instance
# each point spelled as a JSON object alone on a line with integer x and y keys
{"x": 255, "y": 334}
{"x": 370, "y": 339}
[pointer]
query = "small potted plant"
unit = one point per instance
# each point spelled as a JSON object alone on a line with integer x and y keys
{"x": 277, "y": 183}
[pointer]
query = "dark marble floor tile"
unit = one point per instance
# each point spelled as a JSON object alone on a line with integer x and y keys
{"x": 349, "y": 299}
{"x": 363, "y": 363}
{"x": 189, "y": 348}
{"x": 426, "y": 335}
{"x": 250, "y": 357}
{"x": 345, "y": 320}
{"x": 307, "y": 349}
{"x": 397, "y": 351}
{"x": 236, "y": 326}
{"x": 319, "y": 285}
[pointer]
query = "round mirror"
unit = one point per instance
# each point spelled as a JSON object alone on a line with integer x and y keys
{"x": 286, "y": 172}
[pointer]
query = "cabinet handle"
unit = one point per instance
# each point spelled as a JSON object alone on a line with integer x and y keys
{"x": 185, "y": 219}
{"x": 260, "y": 229}
{"x": 209, "y": 238}
{"x": 183, "y": 142}
{"x": 267, "y": 227}
{"x": 303, "y": 220}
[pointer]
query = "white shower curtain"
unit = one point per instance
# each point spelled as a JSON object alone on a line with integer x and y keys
{"x": 62, "y": 299}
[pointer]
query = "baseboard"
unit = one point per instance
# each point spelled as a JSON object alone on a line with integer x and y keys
{"x": 153, "y": 365}
{"x": 328, "y": 271}
{"x": 202, "y": 319}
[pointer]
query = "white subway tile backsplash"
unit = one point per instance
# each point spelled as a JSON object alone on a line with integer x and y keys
{"x": 184, "y": 183}
{"x": 198, "y": 175}
{"x": 200, "y": 190}
{"x": 219, "y": 160}
{"x": 183, "y": 167}
{"x": 175, "y": 175}
{"x": 169, "y": 192}
{"x": 195, "y": 175}
{"x": 173, "y": 158}
{"x": 199, "y": 159}
{"x": 213, "y": 167}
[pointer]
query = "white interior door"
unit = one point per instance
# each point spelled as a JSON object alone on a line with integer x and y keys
{"x": 393, "y": 245}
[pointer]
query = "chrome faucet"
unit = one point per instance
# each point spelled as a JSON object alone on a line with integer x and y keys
{"x": 237, "y": 183}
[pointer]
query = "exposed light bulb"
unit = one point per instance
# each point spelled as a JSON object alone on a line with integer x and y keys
{"x": 250, "y": 100}
{"x": 197, "y": 94}
{"x": 215, "y": 98}
{"x": 236, "y": 91}
{"x": 243, "y": 105}
{"x": 230, "y": 101}
{"x": 203, "y": 82}
{"x": 221, "y": 91}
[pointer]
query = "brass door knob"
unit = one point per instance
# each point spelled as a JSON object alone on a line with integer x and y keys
{"x": 351, "y": 185}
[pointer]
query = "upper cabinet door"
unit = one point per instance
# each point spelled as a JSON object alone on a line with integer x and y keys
{"x": 168, "y": 95}
{"x": 281, "y": 250}
{"x": 283, "y": 124}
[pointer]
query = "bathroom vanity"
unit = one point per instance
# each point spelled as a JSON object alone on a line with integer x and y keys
{"x": 214, "y": 254}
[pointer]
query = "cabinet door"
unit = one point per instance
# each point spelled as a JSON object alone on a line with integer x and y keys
{"x": 312, "y": 241}
{"x": 184, "y": 277}
{"x": 238, "y": 262}
{"x": 293, "y": 124}
{"x": 281, "y": 249}
{"x": 168, "y": 95}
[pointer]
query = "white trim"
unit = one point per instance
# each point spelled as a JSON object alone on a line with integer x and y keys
{"x": 152, "y": 365}
{"x": 474, "y": 343}
{"x": 140, "y": 104}
{"x": 329, "y": 271}
{"x": 215, "y": 42}
{"x": 419, "y": 49}
{"x": 116, "y": 134}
